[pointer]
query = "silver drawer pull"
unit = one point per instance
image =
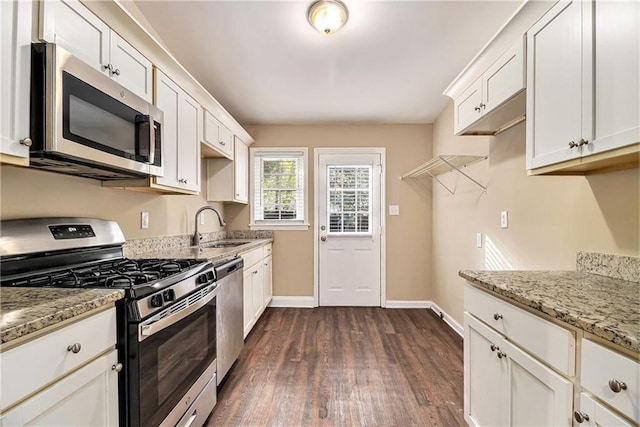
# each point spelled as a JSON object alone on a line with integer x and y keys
{"x": 580, "y": 417}
{"x": 117, "y": 367}
{"x": 74, "y": 348}
{"x": 493, "y": 347}
{"x": 617, "y": 386}
{"x": 501, "y": 354}
{"x": 497, "y": 316}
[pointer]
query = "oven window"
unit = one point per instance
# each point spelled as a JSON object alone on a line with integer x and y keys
{"x": 171, "y": 360}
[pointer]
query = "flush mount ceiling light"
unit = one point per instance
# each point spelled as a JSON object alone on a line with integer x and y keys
{"x": 327, "y": 16}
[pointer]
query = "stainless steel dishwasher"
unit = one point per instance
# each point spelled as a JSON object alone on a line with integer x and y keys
{"x": 229, "y": 328}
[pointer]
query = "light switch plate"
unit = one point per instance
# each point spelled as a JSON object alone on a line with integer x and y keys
{"x": 144, "y": 220}
{"x": 504, "y": 219}
{"x": 394, "y": 210}
{"x": 478, "y": 240}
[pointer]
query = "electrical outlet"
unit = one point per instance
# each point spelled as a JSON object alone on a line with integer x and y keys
{"x": 144, "y": 220}
{"x": 478, "y": 240}
{"x": 504, "y": 219}
{"x": 201, "y": 219}
{"x": 394, "y": 210}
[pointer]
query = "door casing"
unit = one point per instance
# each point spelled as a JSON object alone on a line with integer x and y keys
{"x": 317, "y": 152}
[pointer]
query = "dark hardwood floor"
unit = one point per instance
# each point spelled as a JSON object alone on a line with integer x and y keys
{"x": 345, "y": 366}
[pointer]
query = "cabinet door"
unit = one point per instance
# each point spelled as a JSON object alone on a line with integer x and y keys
{"x": 247, "y": 301}
{"x": 616, "y": 41}
{"x": 467, "y": 107}
{"x": 257, "y": 289}
{"x": 15, "y": 72}
{"x": 484, "y": 375}
{"x": 598, "y": 414}
{"x": 505, "y": 78}
{"x": 189, "y": 124}
{"x": 88, "y": 397}
{"x": 217, "y": 137}
{"x": 130, "y": 68}
{"x": 73, "y": 27}
{"x": 167, "y": 97}
{"x": 537, "y": 395}
{"x": 268, "y": 280}
{"x": 554, "y": 85}
{"x": 241, "y": 172}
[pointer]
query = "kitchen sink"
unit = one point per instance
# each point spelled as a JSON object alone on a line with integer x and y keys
{"x": 214, "y": 245}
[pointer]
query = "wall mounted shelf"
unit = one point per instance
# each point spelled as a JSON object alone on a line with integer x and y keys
{"x": 443, "y": 164}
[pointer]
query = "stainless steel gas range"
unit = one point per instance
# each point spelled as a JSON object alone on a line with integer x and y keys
{"x": 166, "y": 322}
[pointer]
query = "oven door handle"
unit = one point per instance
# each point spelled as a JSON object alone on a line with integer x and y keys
{"x": 154, "y": 325}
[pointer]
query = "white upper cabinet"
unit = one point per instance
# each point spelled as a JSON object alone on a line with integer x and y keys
{"x": 15, "y": 71}
{"x": 477, "y": 109}
{"x": 583, "y": 88}
{"x": 228, "y": 181}
{"x": 72, "y": 26}
{"x": 181, "y": 136}
{"x": 217, "y": 139}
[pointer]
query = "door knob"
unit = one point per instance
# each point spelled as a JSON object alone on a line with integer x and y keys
{"x": 323, "y": 238}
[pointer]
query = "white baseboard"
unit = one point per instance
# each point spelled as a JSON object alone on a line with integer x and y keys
{"x": 408, "y": 304}
{"x": 293, "y": 302}
{"x": 447, "y": 318}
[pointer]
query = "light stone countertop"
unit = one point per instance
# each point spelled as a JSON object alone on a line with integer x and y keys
{"x": 211, "y": 254}
{"x": 606, "y": 307}
{"x": 27, "y": 310}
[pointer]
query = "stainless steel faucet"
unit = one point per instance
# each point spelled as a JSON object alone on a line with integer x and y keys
{"x": 195, "y": 240}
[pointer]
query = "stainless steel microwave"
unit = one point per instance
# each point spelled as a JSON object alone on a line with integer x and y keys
{"x": 84, "y": 123}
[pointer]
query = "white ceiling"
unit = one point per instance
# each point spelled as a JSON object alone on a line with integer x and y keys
{"x": 266, "y": 65}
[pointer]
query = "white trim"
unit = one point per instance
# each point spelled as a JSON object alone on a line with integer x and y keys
{"x": 408, "y": 304}
{"x": 383, "y": 230}
{"x": 448, "y": 319}
{"x": 299, "y": 302}
{"x": 279, "y": 227}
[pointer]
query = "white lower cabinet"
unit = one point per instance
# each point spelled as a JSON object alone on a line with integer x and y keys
{"x": 88, "y": 397}
{"x": 65, "y": 377}
{"x": 504, "y": 385}
{"x": 257, "y": 285}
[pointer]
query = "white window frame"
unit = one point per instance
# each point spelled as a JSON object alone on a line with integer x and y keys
{"x": 278, "y": 224}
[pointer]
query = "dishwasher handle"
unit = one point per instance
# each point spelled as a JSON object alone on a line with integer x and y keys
{"x": 229, "y": 267}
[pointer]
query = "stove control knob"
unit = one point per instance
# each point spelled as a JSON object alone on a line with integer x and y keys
{"x": 156, "y": 300}
{"x": 210, "y": 276}
{"x": 202, "y": 279}
{"x": 169, "y": 295}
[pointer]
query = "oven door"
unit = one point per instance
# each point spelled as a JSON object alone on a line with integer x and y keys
{"x": 170, "y": 352}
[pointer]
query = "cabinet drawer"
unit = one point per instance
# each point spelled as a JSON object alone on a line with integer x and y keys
{"x": 32, "y": 365}
{"x": 601, "y": 365}
{"x": 266, "y": 250}
{"x": 252, "y": 257}
{"x": 551, "y": 343}
{"x": 598, "y": 414}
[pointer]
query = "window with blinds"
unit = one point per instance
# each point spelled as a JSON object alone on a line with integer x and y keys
{"x": 349, "y": 196}
{"x": 279, "y": 187}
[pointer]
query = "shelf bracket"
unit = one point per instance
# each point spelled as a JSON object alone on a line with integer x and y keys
{"x": 468, "y": 177}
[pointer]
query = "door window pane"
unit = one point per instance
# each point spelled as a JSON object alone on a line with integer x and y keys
{"x": 349, "y": 199}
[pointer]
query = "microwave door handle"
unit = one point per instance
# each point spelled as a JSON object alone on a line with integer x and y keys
{"x": 152, "y": 140}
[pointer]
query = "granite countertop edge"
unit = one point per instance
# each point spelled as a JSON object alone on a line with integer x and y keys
{"x": 574, "y": 318}
{"x": 40, "y": 310}
{"x": 202, "y": 252}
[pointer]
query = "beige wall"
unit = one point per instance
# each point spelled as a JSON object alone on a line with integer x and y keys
{"x": 550, "y": 217}
{"x": 408, "y": 235}
{"x": 28, "y": 193}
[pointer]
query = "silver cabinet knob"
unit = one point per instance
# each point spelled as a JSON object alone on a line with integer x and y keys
{"x": 74, "y": 348}
{"x": 108, "y": 67}
{"x": 483, "y": 106}
{"x": 117, "y": 367}
{"x": 572, "y": 144}
{"x": 116, "y": 71}
{"x": 617, "y": 386}
{"x": 582, "y": 142}
{"x": 223, "y": 143}
{"x": 477, "y": 108}
{"x": 580, "y": 417}
{"x": 497, "y": 316}
{"x": 501, "y": 354}
{"x": 493, "y": 347}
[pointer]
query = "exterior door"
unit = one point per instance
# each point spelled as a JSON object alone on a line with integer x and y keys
{"x": 348, "y": 218}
